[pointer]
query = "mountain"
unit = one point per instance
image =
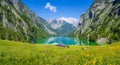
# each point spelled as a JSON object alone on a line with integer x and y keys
{"x": 19, "y": 23}
{"x": 61, "y": 27}
{"x": 101, "y": 21}
{"x": 47, "y": 28}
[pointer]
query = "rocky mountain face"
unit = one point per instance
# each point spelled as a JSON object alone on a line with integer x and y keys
{"x": 61, "y": 27}
{"x": 102, "y": 20}
{"x": 19, "y": 23}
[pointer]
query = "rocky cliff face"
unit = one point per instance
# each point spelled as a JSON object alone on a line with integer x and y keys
{"x": 19, "y": 23}
{"x": 102, "y": 20}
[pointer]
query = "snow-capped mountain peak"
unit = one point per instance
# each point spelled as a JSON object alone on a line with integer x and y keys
{"x": 61, "y": 25}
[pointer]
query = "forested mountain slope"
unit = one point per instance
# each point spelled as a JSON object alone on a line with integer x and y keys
{"x": 19, "y": 23}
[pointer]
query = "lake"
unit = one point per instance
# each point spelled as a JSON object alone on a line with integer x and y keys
{"x": 63, "y": 40}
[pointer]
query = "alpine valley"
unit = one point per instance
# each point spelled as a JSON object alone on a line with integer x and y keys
{"x": 28, "y": 39}
{"x": 101, "y": 21}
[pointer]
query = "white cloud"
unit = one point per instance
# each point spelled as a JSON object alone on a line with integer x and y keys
{"x": 70, "y": 20}
{"x": 51, "y": 7}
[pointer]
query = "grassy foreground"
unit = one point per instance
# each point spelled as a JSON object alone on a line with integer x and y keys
{"x": 16, "y": 53}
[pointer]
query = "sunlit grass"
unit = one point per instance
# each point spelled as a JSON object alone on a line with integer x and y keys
{"x": 17, "y": 53}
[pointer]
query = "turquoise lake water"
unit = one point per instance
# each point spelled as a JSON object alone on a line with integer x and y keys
{"x": 63, "y": 40}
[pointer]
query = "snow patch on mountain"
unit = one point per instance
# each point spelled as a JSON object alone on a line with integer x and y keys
{"x": 70, "y": 20}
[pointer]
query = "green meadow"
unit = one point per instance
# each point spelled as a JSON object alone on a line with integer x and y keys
{"x": 17, "y": 53}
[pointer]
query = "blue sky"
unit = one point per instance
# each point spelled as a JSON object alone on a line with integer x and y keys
{"x": 59, "y": 8}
